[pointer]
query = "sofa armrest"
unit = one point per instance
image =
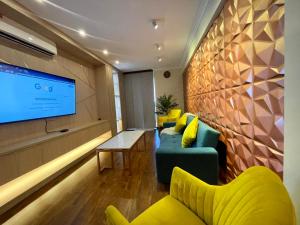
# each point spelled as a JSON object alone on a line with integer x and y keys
{"x": 202, "y": 162}
{"x": 114, "y": 217}
{"x": 190, "y": 151}
{"x": 169, "y": 124}
{"x": 194, "y": 193}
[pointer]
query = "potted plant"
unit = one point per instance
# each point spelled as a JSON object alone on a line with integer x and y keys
{"x": 164, "y": 104}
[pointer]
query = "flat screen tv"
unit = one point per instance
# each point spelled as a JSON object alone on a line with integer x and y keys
{"x": 27, "y": 94}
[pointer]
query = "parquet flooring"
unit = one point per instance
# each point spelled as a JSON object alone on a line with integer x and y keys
{"x": 80, "y": 196}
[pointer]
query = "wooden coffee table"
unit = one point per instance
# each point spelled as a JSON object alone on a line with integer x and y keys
{"x": 122, "y": 142}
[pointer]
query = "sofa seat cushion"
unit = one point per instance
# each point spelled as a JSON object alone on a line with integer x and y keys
{"x": 169, "y": 131}
{"x": 167, "y": 137}
{"x": 170, "y": 141}
{"x": 167, "y": 211}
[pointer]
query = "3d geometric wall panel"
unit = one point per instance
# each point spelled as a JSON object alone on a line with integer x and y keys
{"x": 235, "y": 81}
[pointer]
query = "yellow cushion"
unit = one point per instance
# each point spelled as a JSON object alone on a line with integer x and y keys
{"x": 190, "y": 133}
{"x": 168, "y": 211}
{"x": 174, "y": 113}
{"x": 181, "y": 123}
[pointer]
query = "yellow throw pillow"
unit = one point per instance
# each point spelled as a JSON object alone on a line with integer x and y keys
{"x": 190, "y": 133}
{"x": 181, "y": 123}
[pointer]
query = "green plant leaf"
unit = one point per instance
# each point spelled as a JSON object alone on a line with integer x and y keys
{"x": 165, "y": 103}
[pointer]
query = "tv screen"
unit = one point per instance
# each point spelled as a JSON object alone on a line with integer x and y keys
{"x": 27, "y": 94}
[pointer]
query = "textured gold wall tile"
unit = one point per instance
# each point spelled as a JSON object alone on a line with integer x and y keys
{"x": 236, "y": 82}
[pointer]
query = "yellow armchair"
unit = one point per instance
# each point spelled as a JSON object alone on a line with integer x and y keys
{"x": 172, "y": 116}
{"x": 256, "y": 197}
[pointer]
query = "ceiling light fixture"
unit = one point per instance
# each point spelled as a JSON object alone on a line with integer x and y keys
{"x": 159, "y": 59}
{"x": 82, "y": 33}
{"x": 117, "y": 62}
{"x": 40, "y": 1}
{"x": 30, "y": 39}
{"x": 105, "y": 52}
{"x": 155, "y": 24}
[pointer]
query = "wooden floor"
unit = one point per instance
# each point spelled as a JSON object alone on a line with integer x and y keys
{"x": 81, "y": 195}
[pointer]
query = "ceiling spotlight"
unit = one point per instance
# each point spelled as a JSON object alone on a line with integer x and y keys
{"x": 105, "y": 52}
{"x": 82, "y": 33}
{"x": 155, "y": 24}
{"x": 117, "y": 62}
{"x": 159, "y": 59}
{"x": 158, "y": 46}
{"x": 30, "y": 39}
{"x": 40, "y": 1}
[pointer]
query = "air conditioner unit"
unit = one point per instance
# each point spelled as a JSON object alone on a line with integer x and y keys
{"x": 17, "y": 33}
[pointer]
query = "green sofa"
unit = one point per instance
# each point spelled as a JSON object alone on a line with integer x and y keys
{"x": 201, "y": 159}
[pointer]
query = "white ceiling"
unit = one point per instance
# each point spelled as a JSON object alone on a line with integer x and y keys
{"x": 124, "y": 28}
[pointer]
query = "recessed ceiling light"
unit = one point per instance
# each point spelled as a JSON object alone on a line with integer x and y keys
{"x": 82, "y": 33}
{"x": 159, "y": 59}
{"x": 155, "y": 24}
{"x": 40, "y": 1}
{"x": 30, "y": 39}
{"x": 105, "y": 52}
{"x": 117, "y": 62}
{"x": 158, "y": 46}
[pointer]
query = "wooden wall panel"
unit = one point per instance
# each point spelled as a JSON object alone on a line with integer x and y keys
{"x": 105, "y": 96}
{"x": 235, "y": 81}
{"x": 23, "y": 157}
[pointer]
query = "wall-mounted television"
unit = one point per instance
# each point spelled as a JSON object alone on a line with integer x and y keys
{"x": 27, "y": 94}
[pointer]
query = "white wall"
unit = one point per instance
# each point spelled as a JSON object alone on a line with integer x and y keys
{"x": 173, "y": 85}
{"x": 291, "y": 171}
{"x": 202, "y": 24}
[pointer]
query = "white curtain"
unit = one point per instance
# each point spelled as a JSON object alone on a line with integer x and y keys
{"x": 139, "y": 97}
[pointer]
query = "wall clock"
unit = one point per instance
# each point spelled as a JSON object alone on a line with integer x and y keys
{"x": 167, "y": 74}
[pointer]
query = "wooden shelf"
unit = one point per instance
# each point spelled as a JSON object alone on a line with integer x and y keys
{"x": 29, "y": 143}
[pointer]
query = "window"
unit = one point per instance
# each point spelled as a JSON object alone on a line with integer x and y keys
{"x": 117, "y": 102}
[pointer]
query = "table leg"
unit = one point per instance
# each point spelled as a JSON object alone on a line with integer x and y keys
{"x": 129, "y": 162}
{"x": 98, "y": 162}
{"x": 145, "y": 144}
{"x": 112, "y": 159}
{"x": 137, "y": 146}
{"x": 124, "y": 160}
